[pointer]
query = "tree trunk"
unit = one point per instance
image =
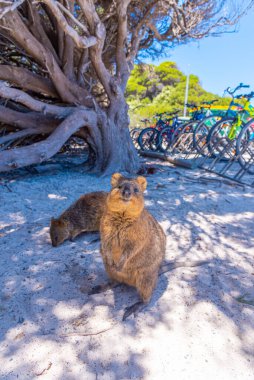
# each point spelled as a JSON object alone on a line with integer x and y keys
{"x": 111, "y": 148}
{"x": 119, "y": 153}
{"x": 112, "y": 144}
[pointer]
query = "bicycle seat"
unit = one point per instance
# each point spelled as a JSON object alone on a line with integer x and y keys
{"x": 191, "y": 105}
{"x": 172, "y": 113}
{"x": 211, "y": 102}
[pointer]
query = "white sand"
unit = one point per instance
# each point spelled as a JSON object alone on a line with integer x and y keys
{"x": 194, "y": 328}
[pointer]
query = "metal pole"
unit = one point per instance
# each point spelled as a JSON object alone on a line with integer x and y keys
{"x": 186, "y": 95}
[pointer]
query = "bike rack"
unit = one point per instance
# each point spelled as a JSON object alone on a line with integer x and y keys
{"x": 182, "y": 152}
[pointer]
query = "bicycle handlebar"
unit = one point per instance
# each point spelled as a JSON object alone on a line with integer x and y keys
{"x": 191, "y": 105}
{"x": 246, "y": 96}
{"x": 241, "y": 85}
{"x": 172, "y": 113}
{"x": 211, "y": 102}
{"x": 160, "y": 114}
{"x": 167, "y": 113}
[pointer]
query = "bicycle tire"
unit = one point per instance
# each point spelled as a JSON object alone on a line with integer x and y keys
{"x": 146, "y": 137}
{"x": 245, "y": 147}
{"x": 164, "y": 139}
{"x": 201, "y": 132}
{"x": 134, "y": 133}
{"x": 182, "y": 138}
{"x": 218, "y": 143}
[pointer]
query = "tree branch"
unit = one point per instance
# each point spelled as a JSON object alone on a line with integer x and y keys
{"x": 68, "y": 91}
{"x": 138, "y": 33}
{"x": 82, "y": 66}
{"x": 10, "y": 6}
{"x": 123, "y": 70}
{"x": 68, "y": 56}
{"x": 38, "y": 31}
{"x": 26, "y": 120}
{"x": 98, "y": 29}
{"x": 81, "y": 42}
{"x": 41, "y": 151}
{"x": 19, "y": 96}
{"x": 70, "y": 15}
{"x": 27, "y": 80}
{"x": 25, "y": 133}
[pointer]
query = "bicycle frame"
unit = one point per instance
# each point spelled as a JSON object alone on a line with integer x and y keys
{"x": 246, "y": 112}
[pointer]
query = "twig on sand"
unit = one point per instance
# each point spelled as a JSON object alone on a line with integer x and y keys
{"x": 44, "y": 370}
{"x": 87, "y": 334}
{"x": 244, "y": 300}
{"x": 7, "y": 186}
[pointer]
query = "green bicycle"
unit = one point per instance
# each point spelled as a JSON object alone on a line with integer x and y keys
{"x": 221, "y": 140}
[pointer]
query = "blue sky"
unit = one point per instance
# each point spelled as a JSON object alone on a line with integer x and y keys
{"x": 222, "y": 61}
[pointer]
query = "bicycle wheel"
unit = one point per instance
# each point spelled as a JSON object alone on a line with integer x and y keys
{"x": 164, "y": 139}
{"x": 134, "y": 133}
{"x": 245, "y": 147}
{"x": 182, "y": 138}
{"x": 218, "y": 143}
{"x": 201, "y": 132}
{"x": 146, "y": 139}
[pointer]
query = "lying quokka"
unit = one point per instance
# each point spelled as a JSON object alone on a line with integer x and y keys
{"x": 132, "y": 242}
{"x": 82, "y": 216}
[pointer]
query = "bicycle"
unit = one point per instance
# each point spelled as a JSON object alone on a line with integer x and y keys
{"x": 245, "y": 143}
{"x": 181, "y": 140}
{"x": 222, "y": 136}
{"x": 148, "y": 138}
{"x": 135, "y": 132}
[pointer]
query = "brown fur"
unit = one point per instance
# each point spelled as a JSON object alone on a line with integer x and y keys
{"x": 82, "y": 216}
{"x": 132, "y": 242}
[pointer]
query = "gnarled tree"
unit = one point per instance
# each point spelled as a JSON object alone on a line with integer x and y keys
{"x": 64, "y": 65}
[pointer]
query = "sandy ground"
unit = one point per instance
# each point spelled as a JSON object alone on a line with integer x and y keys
{"x": 200, "y": 322}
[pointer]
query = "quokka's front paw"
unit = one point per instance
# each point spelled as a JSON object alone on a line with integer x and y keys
{"x": 133, "y": 309}
{"x": 103, "y": 288}
{"x": 96, "y": 289}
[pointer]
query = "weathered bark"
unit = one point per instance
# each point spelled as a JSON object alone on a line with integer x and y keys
{"x": 27, "y": 80}
{"x": 33, "y": 104}
{"x": 13, "y": 26}
{"x": 24, "y": 133}
{"x": 111, "y": 150}
{"x": 118, "y": 151}
{"x": 41, "y": 151}
{"x": 26, "y": 120}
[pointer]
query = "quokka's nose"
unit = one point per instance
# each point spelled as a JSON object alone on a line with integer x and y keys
{"x": 126, "y": 192}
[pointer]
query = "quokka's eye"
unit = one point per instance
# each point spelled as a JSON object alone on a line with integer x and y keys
{"x": 136, "y": 190}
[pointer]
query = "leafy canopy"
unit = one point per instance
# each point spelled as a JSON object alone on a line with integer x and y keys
{"x": 161, "y": 88}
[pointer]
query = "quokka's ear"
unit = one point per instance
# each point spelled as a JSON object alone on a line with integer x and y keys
{"x": 52, "y": 219}
{"x": 142, "y": 182}
{"x": 62, "y": 223}
{"x": 115, "y": 179}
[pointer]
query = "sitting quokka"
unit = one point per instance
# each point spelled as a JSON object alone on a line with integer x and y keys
{"x": 132, "y": 242}
{"x": 82, "y": 216}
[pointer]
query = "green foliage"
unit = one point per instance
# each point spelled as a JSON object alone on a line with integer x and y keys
{"x": 153, "y": 89}
{"x": 169, "y": 74}
{"x": 143, "y": 82}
